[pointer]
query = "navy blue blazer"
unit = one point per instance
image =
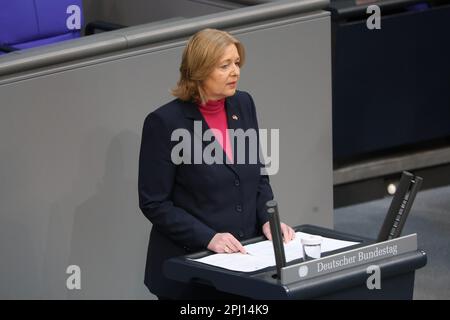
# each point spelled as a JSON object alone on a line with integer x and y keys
{"x": 189, "y": 203}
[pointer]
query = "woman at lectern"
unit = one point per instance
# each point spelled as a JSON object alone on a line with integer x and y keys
{"x": 200, "y": 194}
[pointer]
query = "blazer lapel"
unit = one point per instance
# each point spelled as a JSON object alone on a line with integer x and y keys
{"x": 234, "y": 121}
{"x": 192, "y": 112}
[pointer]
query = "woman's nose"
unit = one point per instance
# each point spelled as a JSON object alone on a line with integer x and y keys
{"x": 236, "y": 70}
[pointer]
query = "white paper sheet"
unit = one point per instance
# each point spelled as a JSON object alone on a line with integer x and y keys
{"x": 260, "y": 255}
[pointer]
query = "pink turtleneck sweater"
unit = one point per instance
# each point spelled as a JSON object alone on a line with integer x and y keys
{"x": 216, "y": 118}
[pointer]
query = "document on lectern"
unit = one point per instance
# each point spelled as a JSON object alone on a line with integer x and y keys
{"x": 260, "y": 255}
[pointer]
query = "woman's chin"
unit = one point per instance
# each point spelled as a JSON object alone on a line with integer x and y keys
{"x": 231, "y": 92}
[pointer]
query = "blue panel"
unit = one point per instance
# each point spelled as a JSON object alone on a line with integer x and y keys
{"x": 18, "y": 21}
{"x": 53, "y": 16}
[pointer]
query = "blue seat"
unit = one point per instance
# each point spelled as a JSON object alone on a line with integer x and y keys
{"x": 420, "y": 6}
{"x": 31, "y": 23}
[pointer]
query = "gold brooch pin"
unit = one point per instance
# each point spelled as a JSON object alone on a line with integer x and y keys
{"x": 235, "y": 117}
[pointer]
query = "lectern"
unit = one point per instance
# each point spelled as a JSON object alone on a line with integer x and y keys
{"x": 339, "y": 274}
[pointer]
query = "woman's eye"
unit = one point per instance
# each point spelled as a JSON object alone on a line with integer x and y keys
{"x": 225, "y": 66}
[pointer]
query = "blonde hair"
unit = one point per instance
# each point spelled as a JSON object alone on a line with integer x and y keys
{"x": 200, "y": 56}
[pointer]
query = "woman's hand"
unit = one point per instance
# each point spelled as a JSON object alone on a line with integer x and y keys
{"x": 287, "y": 232}
{"x": 225, "y": 243}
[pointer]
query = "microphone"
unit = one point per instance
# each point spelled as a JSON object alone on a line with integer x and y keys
{"x": 277, "y": 237}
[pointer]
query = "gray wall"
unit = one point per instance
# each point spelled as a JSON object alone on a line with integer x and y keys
{"x": 69, "y": 144}
{"x": 135, "y": 12}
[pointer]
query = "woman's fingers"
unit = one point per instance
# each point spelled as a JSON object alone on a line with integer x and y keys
{"x": 284, "y": 231}
{"x": 232, "y": 244}
{"x": 225, "y": 243}
{"x": 221, "y": 243}
{"x": 291, "y": 233}
{"x": 266, "y": 230}
{"x": 237, "y": 245}
{"x": 288, "y": 232}
{"x": 229, "y": 247}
